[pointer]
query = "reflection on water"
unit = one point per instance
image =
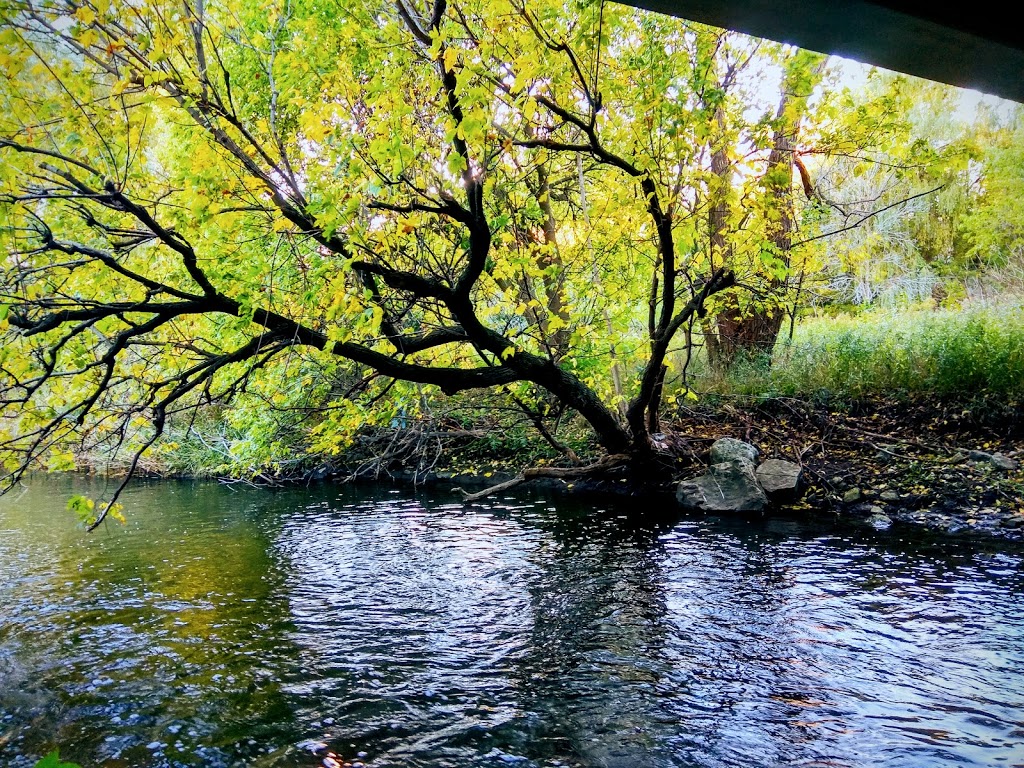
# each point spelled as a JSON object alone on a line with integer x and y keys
{"x": 224, "y": 628}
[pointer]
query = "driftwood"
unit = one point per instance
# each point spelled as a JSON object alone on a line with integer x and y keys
{"x": 562, "y": 473}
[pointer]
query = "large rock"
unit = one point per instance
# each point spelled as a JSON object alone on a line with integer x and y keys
{"x": 727, "y": 487}
{"x": 730, "y": 450}
{"x": 1003, "y": 462}
{"x": 780, "y": 479}
{"x": 997, "y": 460}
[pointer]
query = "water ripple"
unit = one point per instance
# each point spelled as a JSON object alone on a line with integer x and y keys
{"x": 242, "y": 628}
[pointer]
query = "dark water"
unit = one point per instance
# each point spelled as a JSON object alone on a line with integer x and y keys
{"x": 234, "y": 627}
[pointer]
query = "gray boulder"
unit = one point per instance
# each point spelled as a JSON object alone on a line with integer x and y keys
{"x": 780, "y": 479}
{"x": 1003, "y": 462}
{"x": 879, "y": 521}
{"x": 997, "y": 460}
{"x": 727, "y": 487}
{"x": 730, "y": 450}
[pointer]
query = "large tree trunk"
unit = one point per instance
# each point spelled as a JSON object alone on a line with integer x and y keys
{"x": 739, "y": 331}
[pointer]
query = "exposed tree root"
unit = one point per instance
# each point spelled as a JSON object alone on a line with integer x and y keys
{"x": 562, "y": 473}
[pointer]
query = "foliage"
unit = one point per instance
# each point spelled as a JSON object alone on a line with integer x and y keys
{"x": 399, "y": 189}
{"x": 53, "y": 760}
{"x": 995, "y": 225}
{"x": 888, "y": 195}
{"x": 240, "y": 233}
{"x": 977, "y": 352}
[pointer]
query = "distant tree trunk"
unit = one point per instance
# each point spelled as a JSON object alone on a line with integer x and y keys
{"x": 738, "y": 331}
{"x": 715, "y": 337}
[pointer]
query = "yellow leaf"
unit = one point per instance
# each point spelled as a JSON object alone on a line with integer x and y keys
{"x": 451, "y": 57}
{"x": 529, "y": 109}
{"x": 85, "y": 14}
{"x": 116, "y": 513}
{"x": 88, "y": 38}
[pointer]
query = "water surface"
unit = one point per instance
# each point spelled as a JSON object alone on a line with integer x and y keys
{"x": 238, "y": 627}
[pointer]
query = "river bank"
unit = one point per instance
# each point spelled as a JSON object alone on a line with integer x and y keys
{"x": 944, "y": 467}
{"x": 923, "y": 462}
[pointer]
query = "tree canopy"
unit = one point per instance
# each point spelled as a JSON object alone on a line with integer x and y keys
{"x": 201, "y": 201}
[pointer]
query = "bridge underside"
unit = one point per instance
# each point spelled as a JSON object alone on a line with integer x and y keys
{"x": 979, "y": 47}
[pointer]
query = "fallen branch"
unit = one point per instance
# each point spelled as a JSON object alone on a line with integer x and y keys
{"x": 907, "y": 457}
{"x": 561, "y": 473}
{"x": 493, "y": 489}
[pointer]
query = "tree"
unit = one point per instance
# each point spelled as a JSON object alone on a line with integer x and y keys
{"x": 194, "y": 192}
{"x": 994, "y": 225}
{"x": 207, "y": 202}
{"x": 744, "y": 327}
{"x": 892, "y": 197}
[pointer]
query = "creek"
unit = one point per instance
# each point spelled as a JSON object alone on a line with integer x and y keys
{"x": 228, "y": 626}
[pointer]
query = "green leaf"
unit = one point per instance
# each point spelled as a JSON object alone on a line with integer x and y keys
{"x": 53, "y": 760}
{"x": 83, "y": 508}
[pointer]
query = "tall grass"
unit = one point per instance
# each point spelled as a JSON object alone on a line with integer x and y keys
{"x": 971, "y": 352}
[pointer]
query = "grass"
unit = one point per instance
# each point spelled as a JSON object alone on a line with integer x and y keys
{"x": 976, "y": 352}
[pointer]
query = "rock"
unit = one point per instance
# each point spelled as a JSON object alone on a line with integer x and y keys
{"x": 321, "y": 472}
{"x": 780, "y": 479}
{"x": 889, "y": 496}
{"x": 505, "y": 757}
{"x": 879, "y": 522}
{"x": 852, "y": 496}
{"x": 730, "y": 450}
{"x": 997, "y": 460}
{"x": 730, "y": 484}
{"x": 1003, "y": 462}
{"x": 727, "y": 487}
